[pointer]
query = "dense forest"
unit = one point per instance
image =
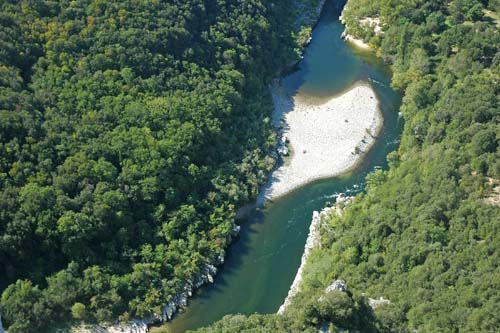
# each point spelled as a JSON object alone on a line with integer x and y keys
{"x": 129, "y": 132}
{"x": 425, "y": 235}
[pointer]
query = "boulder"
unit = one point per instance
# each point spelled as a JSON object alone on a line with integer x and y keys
{"x": 236, "y": 229}
{"x": 136, "y": 326}
{"x": 373, "y": 302}
{"x": 283, "y": 150}
{"x": 341, "y": 197}
{"x": 339, "y": 285}
{"x": 220, "y": 259}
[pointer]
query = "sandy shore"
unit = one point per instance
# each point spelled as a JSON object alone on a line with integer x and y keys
{"x": 357, "y": 42}
{"x": 326, "y": 138}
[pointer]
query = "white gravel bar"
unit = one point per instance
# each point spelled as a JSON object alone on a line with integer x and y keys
{"x": 327, "y": 138}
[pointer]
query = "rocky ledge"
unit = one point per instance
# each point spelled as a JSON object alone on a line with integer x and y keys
{"x": 313, "y": 240}
{"x": 177, "y": 302}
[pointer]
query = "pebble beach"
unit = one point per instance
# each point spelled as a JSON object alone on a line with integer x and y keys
{"x": 326, "y": 138}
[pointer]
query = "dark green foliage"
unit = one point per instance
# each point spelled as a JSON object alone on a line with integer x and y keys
{"x": 129, "y": 132}
{"x": 337, "y": 307}
{"x": 256, "y": 323}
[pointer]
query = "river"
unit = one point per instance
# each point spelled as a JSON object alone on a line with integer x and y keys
{"x": 261, "y": 265}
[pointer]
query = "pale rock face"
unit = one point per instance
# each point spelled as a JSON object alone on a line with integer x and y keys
{"x": 282, "y": 150}
{"x": 372, "y": 22}
{"x": 341, "y": 198}
{"x": 378, "y": 302}
{"x": 313, "y": 240}
{"x": 141, "y": 326}
{"x": 236, "y": 230}
{"x": 338, "y": 285}
{"x": 220, "y": 259}
{"x": 136, "y": 326}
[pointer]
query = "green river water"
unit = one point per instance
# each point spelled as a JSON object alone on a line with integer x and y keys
{"x": 261, "y": 264}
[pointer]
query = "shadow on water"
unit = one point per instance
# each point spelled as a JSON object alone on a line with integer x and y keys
{"x": 261, "y": 265}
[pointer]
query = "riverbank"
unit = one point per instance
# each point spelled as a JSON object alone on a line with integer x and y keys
{"x": 327, "y": 138}
{"x": 313, "y": 241}
{"x": 370, "y": 23}
{"x": 356, "y": 42}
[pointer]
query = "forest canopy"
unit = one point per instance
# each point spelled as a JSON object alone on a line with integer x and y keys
{"x": 129, "y": 132}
